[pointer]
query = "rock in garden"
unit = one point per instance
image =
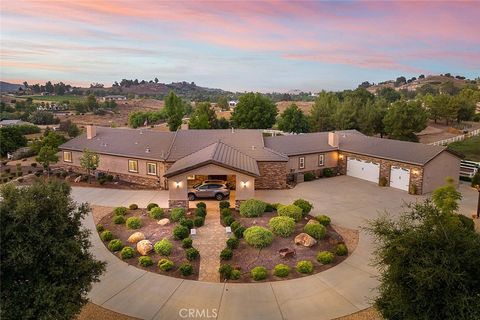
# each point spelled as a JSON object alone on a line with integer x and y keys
{"x": 305, "y": 240}
{"x": 78, "y": 179}
{"x": 163, "y": 222}
{"x": 144, "y": 247}
{"x": 312, "y": 221}
{"x": 135, "y": 237}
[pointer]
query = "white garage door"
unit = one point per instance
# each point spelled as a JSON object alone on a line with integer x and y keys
{"x": 362, "y": 169}
{"x": 399, "y": 178}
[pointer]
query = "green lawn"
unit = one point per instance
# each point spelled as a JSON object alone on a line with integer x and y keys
{"x": 70, "y": 98}
{"x": 469, "y": 147}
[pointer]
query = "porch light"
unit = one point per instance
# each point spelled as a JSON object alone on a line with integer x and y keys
{"x": 340, "y": 156}
{"x": 177, "y": 184}
{"x": 244, "y": 184}
{"x": 415, "y": 172}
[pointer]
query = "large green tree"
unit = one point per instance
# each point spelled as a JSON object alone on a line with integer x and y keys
{"x": 11, "y": 138}
{"x": 203, "y": 117}
{"x": 47, "y": 268}
{"x": 322, "y": 115}
{"x": 46, "y": 156}
{"x": 254, "y": 111}
{"x": 293, "y": 119}
{"x": 89, "y": 161}
{"x": 175, "y": 110}
{"x": 403, "y": 119}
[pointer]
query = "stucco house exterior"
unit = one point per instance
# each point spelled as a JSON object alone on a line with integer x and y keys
{"x": 249, "y": 161}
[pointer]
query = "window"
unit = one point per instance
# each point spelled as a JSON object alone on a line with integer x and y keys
{"x": 301, "y": 163}
{"x": 151, "y": 168}
{"x": 67, "y": 156}
{"x": 320, "y": 160}
{"x": 132, "y": 166}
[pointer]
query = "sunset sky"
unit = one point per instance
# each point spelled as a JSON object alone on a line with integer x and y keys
{"x": 237, "y": 45}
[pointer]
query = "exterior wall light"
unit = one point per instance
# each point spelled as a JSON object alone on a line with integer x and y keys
{"x": 244, "y": 184}
{"x": 177, "y": 184}
{"x": 415, "y": 172}
{"x": 340, "y": 156}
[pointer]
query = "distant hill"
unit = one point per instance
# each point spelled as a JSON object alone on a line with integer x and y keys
{"x": 10, "y": 87}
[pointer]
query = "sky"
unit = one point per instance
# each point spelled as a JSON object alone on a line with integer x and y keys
{"x": 237, "y": 45}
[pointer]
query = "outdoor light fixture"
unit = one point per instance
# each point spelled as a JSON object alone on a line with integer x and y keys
{"x": 415, "y": 171}
{"x": 340, "y": 156}
{"x": 244, "y": 184}
{"x": 177, "y": 184}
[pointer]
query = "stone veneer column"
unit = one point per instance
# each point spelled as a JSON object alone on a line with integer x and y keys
{"x": 384, "y": 171}
{"x": 416, "y": 180}
{"x": 178, "y": 204}
{"x": 342, "y": 164}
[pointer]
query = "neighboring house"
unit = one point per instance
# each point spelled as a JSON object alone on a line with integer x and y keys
{"x": 232, "y": 104}
{"x": 6, "y": 123}
{"x": 114, "y": 98}
{"x": 249, "y": 161}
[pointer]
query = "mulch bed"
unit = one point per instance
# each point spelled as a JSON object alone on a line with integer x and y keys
{"x": 246, "y": 257}
{"x": 153, "y": 232}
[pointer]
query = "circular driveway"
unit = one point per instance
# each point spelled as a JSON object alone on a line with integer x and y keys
{"x": 344, "y": 289}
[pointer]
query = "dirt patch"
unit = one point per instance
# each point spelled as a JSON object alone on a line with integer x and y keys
{"x": 305, "y": 106}
{"x": 92, "y": 311}
{"x": 367, "y": 314}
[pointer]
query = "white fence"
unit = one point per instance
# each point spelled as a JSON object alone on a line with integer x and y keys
{"x": 468, "y": 168}
{"x": 461, "y": 137}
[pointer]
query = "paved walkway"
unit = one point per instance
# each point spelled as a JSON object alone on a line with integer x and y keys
{"x": 344, "y": 289}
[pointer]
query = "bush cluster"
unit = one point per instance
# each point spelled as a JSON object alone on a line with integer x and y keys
{"x": 235, "y": 274}
{"x": 282, "y": 226}
{"x": 151, "y": 205}
{"x": 186, "y": 269}
{"x": 291, "y": 211}
{"x": 127, "y": 253}
{"x": 305, "y": 266}
{"x": 106, "y": 235}
{"x": 252, "y": 208}
{"x": 225, "y": 212}
{"x": 235, "y": 224}
{"x": 281, "y": 270}
{"x": 324, "y": 220}
{"x": 341, "y": 250}
{"x": 224, "y": 204}
{"x": 259, "y": 273}
{"x": 180, "y": 232}
{"x": 133, "y": 206}
{"x": 187, "y": 243}
{"x": 198, "y": 221}
{"x": 145, "y": 261}
{"x": 327, "y": 172}
{"x": 120, "y": 211}
{"x": 165, "y": 264}
{"x": 225, "y": 271}
{"x": 156, "y": 213}
{"x": 202, "y": 205}
{"x": 316, "y": 230}
{"x": 118, "y": 219}
{"x": 238, "y": 232}
{"x": 228, "y": 220}
{"x": 201, "y": 212}
{"x": 115, "y": 245}
{"x": 100, "y": 227}
{"x": 325, "y": 257}
{"x": 304, "y": 205}
{"x": 186, "y": 223}
{"x": 176, "y": 214}
{"x": 233, "y": 242}
{"x": 258, "y": 237}
{"x": 133, "y": 223}
{"x": 163, "y": 247}
{"x": 226, "y": 254}
{"x": 192, "y": 254}
{"x": 308, "y": 176}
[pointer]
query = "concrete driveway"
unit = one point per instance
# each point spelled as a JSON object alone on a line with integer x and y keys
{"x": 344, "y": 289}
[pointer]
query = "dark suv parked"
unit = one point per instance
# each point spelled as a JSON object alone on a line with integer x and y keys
{"x": 209, "y": 190}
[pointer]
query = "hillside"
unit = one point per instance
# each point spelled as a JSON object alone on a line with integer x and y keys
{"x": 9, "y": 87}
{"x": 435, "y": 81}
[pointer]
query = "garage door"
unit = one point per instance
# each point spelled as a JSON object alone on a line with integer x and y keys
{"x": 399, "y": 178}
{"x": 362, "y": 169}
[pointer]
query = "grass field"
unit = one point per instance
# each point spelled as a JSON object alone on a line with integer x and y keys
{"x": 469, "y": 147}
{"x": 70, "y": 98}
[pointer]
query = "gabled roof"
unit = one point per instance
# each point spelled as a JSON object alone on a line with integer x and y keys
{"x": 217, "y": 153}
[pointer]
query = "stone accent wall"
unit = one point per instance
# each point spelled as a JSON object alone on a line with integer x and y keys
{"x": 178, "y": 204}
{"x": 273, "y": 175}
{"x": 416, "y": 179}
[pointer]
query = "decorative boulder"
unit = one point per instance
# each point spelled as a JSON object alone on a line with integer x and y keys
{"x": 305, "y": 240}
{"x": 144, "y": 247}
{"x": 135, "y": 237}
{"x": 163, "y": 222}
{"x": 312, "y": 221}
{"x": 78, "y": 179}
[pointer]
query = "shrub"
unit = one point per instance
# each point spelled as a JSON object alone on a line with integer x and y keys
{"x": 324, "y": 220}
{"x": 316, "y": 230}
{"x": 192, "y": 254}
{"x": 281, "y": 270}
{"x": 226, "y": 254}
{"x": 341, "y": 249}
{"x": 176, "y": 214}
{"x": 198, "y": 221}
{"x": 304, "y": 205}
{"x": 252, "y": 208}
{"x": 291, "y": 211}
{"x": 151, "y": 205}
{"x": 259, "y": 273}
{"x": 383, "y": 181}
{"x": 186, "y": 223}
{"x": 100, "y": 227}
{"x": 163, "y": 247}
{"x": 467, "y": 222}
{"x": 180, "y": 232}
{"x": 115, "y": 245}
{"x": 133, "y": 223}
{"x": 282, "y": 226}
{"x": 225, "y": 271}
{"x": 120, "y": 211}
{"x": 225, "y": 212}
{"x": 269, "y": 208}
{"x": 235, "y": 274}
{"x": 145, "y": 261}
{"x": 34, "y": 164}
{"x": 258, "y": 237}
{"x": 224, "y": 204}
{"x": 165, "y": 264}
{"x": 233, "y": 242}
{"x": 234, "y": 225}
{"x": 228, "y": 220}
{"x": 327, "y": 172}
{"x": 7, "y": 170}
{"x": 127, "y": 253}
{"x": 106, "y": 235}
{"x": 202, "y": 205}
{"x": 305, "y": 266}
{"x": 156, "y": 213}
{"x": 187, "y": 243}
{"x": 186, "y": 269}
{"x": 200, "y": 212}
{"x": 239, "y": 232}
{"x": 325, "y": 257}
{"x": 118, "y": 219}
{"x": 308, "y": 176}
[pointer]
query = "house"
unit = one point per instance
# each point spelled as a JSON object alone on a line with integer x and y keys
{"x": 232, "y": 104}
{"x": 6, "y": 123}
{"x": 114, "y": 98}
{"x": 250, "y": 161}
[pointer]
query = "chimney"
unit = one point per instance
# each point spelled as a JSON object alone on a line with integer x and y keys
{"x": 91, "y": 131}
{"x": 333, "y": 139}
{"x": 184, "y": 126}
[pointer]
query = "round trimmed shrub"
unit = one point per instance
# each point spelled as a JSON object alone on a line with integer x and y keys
{"x": 120, "y": 211}
{"x": 341, "y": 250}
{"x": 259, "y": 273}
{"x": 145, "y": 261}
{"x": 324, "y": 220}
{"x": 239, "y": 232}
{"x": 235, "y": 275}
{"x": 316, "y": 230}
{"x": 133, "y": 206}
{"x": 163, "y": 247}
{"x": 151, "y": 205}
{"x": 304, "y": 205}
{"x": 100, "y": 227}
{"x": 308, "y": 176}
{"x": 180, "y": 232}
{"x": 192, "y": 254}
{"x": 187, "y": 243}
{"x": 225, "y": 212}
{"x": 186, "y": 269}
{"x": 186, "y": 223}
{"x": 226, "y": 254}
{"x": 252, "y": 208}
{"x": 258, "y": 237}
{"x": 156, "y": 213}
{"x": 127, "y": 253}
{"x": 282, "y": 226}
{"x": 202, "y": 205}
{"x": 200, "y": 212}
{"x": 228, "y": 220}
{"x": 225, "y": 271}
{"x": 281, "y": 270}
{"x": 198, "y": 221}
{"x": 176, "y": 214}
{"x": 305, "y": 266}
{"x": 234, "y": 225}
{"x": 224, "y": 204}
{"x": 106, "y": 235}
{"x": 325, "y": 257}
{"x": 291, "y": 211}
{"x": 133, "y": 223}
{"x": 115, "y": 245}
{"x": 165, "y": 264}
{"x": 233, "y": 242}
{"x": 118, "y": 219}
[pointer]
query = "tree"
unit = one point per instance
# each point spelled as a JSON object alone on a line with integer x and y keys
{"x": 293, "y": 119}
{"x": 322, "y": 113}
{"x": 47, "y": 267}
{"x": 89, "y": 161}
{"x": 156, "y": 80}
{"x": 204, "y": 117}
{"x": 222, "y": 103}
{"x": 91, "y": 103}
{"x": 223, "y": 123}
{"x": 11, "y": 138}
{"x": 46, "y": 156}
{"x": 389, "y": 94}
{"x": 254, "y": 111}
{"x": 43, "y": 117}
{"x": 49, "y": 87}
{"x": 400, "y": 80}
{"x": 449, "y": 87}
{"x": 446, "y": 197}
{"x": 70, "y": 128}
{"x": 403, "y": 119}
{"x": 51, "y": 139}
{"x": 175, "y": 110}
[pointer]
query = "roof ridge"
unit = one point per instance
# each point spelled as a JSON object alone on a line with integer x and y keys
{"x": 233, "y": 148}
{"x": 171, "y": 146}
